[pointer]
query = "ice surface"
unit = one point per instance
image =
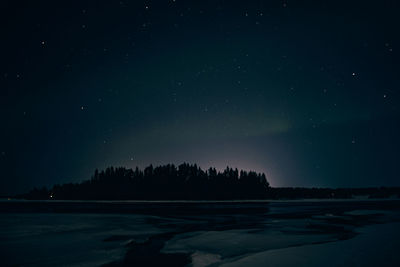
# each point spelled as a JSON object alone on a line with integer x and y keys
{"x": 281, "y": 234}
{"x": 201, "y": 259}
{"x": 233, "y": 243}
{"x": 67, "y": 239}
{"x": 376, "y": 245}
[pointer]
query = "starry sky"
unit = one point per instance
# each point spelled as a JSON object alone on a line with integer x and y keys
{"x": 305, "y": 91}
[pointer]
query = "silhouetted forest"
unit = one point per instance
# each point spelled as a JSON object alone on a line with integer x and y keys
{"x": 161, "y": 183}
{"x": 190, "y": 182}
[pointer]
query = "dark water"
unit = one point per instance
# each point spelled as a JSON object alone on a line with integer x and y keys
{"x": 199, "y": 234}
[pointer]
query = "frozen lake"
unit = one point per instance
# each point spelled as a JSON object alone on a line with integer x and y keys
{"x": 314, "y": 233}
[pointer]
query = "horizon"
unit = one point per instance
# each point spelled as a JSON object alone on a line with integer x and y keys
{"x": 190, "y": 182}
{"x": 219, "y": 170}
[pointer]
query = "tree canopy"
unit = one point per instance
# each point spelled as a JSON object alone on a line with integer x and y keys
{"x": 190, "y": 182}
{"x": 166, "y": 182}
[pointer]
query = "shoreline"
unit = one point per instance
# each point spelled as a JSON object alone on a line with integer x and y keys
{"x": 304, "y": 200}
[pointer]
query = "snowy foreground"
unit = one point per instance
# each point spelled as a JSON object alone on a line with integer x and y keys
{"x": 340, "y": 233}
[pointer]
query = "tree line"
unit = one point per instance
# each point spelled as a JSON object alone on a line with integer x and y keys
{"x": 168, "y": 182}
{"x": 190, "y": 182}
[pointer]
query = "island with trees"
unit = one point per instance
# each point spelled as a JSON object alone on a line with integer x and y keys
{"x": 190, "y": 182}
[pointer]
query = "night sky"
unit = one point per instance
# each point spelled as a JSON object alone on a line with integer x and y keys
{"x": 305, "y": 91}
